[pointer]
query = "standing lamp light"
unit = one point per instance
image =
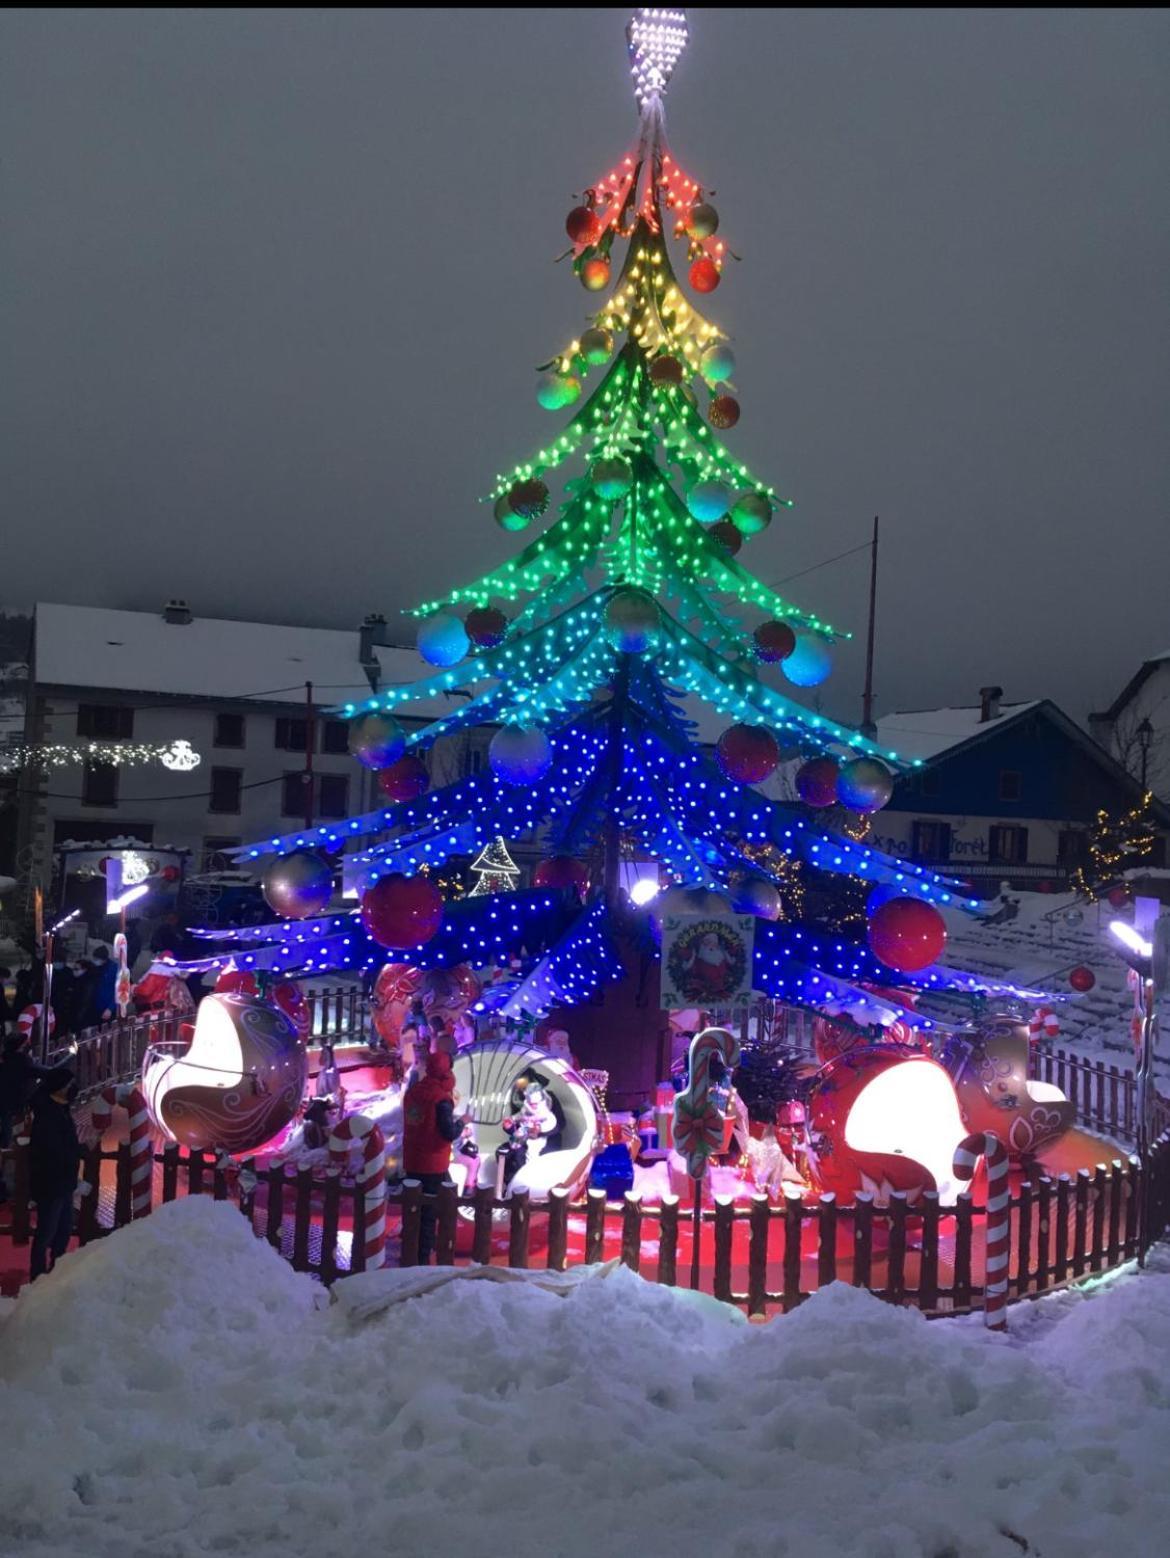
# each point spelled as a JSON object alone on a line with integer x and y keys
{"x": 1148, "y": 959}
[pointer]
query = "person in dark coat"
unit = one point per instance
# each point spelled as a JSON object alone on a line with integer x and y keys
{"x": 84, "y": 987}
{"x": 430, "y": 1127}
{"x": 18, "y": 1076}
{"x": 54, "y": 1157}
{"x": 63, "y": 998}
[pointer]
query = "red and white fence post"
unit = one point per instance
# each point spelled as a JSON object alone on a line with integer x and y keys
{"x": 986, "y": 1145}
{"x": 129, "y": 1096}
{"x": 344, "y": 1135}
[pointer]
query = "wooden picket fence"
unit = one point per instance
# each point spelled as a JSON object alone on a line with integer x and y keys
{"x": 764, "y": 1255}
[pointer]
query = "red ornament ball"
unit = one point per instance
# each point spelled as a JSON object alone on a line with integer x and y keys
{"x": 747, "y": 753}
{"x": 561, "y": 871}
{"x": 402, "y": 911}
{"x": 727, "y": 536}
{"x": 666, "y": 370}
{"x": 237, "y": 981}
{"x": 170, "y": 873}
{"x": 704, "y": 275}
{"x": 583, "y": 226}
{"x": 404, "y": 780}
{"x": 907, "y": 934}
{"x": 486, "y": 626}
{"x": 723, "y": 411}
{"x": 289, "y": 998}
{"x": 528, "y": 498}
{"x": 773, "y": 640}
{"x": 1118, "y": 897}
{"x": 595, "y": 274}
{"x": 816, "y": 781}
{"x": 1082, "y": 979}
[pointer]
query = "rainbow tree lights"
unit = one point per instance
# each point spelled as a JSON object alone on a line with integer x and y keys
{"x": 578, "y": 650}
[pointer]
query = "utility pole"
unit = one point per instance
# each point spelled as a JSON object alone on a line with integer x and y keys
{"x": 309, "y": 734}
{"x": 868, "y": 728}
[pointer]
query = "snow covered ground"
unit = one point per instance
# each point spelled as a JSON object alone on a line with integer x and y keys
{"x": 178, "y": 1390}
{"x": 1038, "y": 948}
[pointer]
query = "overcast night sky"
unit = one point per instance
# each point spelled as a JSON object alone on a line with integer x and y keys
{"x": 275, "y": 282}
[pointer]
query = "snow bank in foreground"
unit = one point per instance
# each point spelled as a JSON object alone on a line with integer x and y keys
{"x": 177, "y": 1390}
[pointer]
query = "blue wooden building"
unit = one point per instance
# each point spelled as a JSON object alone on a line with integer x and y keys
{"x": 1006, "y": 792}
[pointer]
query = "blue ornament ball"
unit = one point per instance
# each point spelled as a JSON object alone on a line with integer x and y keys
{"x": 442, "y": 639}
{"x": 809, "y": 663}
{"x": 376, "y": 740}
{"x": 708, "y": 501}
{"x": 878, "y": 895}
{"x": 297, "y": 886}
{"x": 759, "y": 897}
{"x": 717, "y": 364}
{"x": 520, "y": 756}
{"x": 864, "y": 784}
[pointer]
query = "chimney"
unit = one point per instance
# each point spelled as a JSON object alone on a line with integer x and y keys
{"x": 371, "y": 632}
{"x": 989, "y": 703}
{"x": 177, "y": 613}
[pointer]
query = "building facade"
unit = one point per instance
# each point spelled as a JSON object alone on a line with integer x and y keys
{"x": 1135, "y": 727}
{"x": 1005, "y": 793}
{"x": 250, "y": 700}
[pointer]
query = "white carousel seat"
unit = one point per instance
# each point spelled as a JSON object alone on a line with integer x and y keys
{"x": 485, "y": 1076}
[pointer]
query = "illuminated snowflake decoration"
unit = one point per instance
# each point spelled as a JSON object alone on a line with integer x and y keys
{"x": 656, "y": 40}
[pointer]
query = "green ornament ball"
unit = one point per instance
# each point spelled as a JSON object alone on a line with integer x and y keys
{"x": 702, "y": 221}
{"x": 507, "y": 517}
{"x": 751, "y": 514}
{"x": 596, "y": 345}
{"x": 555, "y": 391}
{"x": 611, "y": 478}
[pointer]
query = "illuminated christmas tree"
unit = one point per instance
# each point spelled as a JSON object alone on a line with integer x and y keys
{"x": 580, "y": 650}
{"x": 495, "y": 870}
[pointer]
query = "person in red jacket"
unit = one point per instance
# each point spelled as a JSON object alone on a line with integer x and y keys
{"x": 430, "y": 1128}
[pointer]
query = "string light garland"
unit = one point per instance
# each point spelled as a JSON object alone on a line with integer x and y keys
{"x": 628, "y": 600}
{"x": 179, "y": 756}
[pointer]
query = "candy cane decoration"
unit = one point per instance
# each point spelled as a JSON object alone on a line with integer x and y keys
{"x": 122, "y": 987}
{"x": 1044, "y": 1024}
{"x": 358, "y": 1128}
{"x": 698, "y": 1124}
{"x": 986, "y": 1145}
{"x": 129, "y": 1096}
{"x": 29, "y": 1018}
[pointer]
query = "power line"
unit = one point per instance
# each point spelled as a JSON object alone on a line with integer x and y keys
{"x": 853, "y": 550}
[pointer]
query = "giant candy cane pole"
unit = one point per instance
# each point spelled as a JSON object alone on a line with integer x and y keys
{"x": 129, "y": 1096}
{"x": 357, "y": 1128}
{"x": 698, "y": 1123}
{"x": 986, "y": 1145}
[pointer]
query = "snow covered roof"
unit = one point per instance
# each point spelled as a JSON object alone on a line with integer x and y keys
{"x": 212, "y": 657}
{"x": 924, "y": 733}
{"x": 208, "y": 657}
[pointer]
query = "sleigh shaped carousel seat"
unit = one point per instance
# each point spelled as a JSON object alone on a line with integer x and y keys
{"x": 486, "y": 1075}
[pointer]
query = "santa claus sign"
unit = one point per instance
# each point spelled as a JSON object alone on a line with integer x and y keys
{"x": 706, "y": 961}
